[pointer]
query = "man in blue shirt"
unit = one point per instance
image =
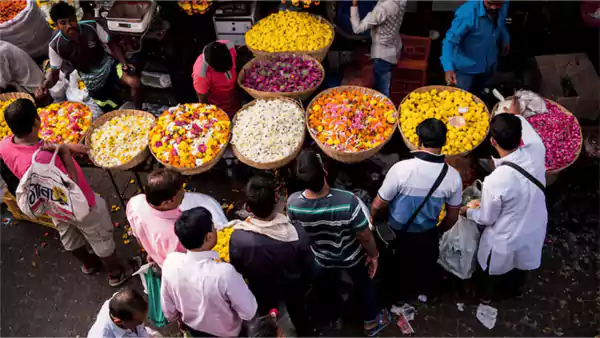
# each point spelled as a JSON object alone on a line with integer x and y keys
{"x": 470, "y": 49}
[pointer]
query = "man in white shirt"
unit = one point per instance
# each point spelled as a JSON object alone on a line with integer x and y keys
{"x": 513, "y": 206}
{"x": 207, "y": 296}
{"x": 384, "y": 21}
{"x": 123, "y": 315}
{"x": 408, "y": 186}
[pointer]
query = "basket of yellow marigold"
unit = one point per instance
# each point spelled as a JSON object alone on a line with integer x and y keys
{"x": 5, "y": 100}
{"x": 465, "y": 115}
{"x": 291, "y": 31}
{"x": 351, "y": 123}
{"x": 119, "y": 140}
{"x": 190, "y": 138}
{"x": 65, "y": 122}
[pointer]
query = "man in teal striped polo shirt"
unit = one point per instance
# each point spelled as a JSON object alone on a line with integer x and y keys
{"x": 340, "y": 240}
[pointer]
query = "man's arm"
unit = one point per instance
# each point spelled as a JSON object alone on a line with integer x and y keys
{"x": 504, "y": 36}
{"x": 376, "y": 17}
{"x": 451, "y": 217}
{"x": 167, "y": 302}
{"x": 454, "y": 36}
{"x": 453, "y": 205}
{"x": 202, "y": 98}
{"x": 489, "y": 209}
{"x": 240, "y": 297}
{"x": 378, "y": 209}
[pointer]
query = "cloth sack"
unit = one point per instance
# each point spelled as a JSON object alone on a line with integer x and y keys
{"x": 28, "y": 30}
{"x": 458, "y": 248}
{"x": 45, "y": 189}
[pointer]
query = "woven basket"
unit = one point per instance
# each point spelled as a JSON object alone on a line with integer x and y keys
{"x": 302, "y": 95}
{"x": 16, "y": 95}
{"x": 411, "y": 146}
{"x": 318, "y": 54}
{"x": 13, "y": 208}
{"x": 200, "y": 169}
{"x": 134, "y": 161}
{"x": 342, "y": 156}
{"x": 564, "y": 110}
{"x": 274, "y": 164}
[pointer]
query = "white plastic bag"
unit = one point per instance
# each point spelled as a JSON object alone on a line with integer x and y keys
{"x": 28, "y": 30}
{"x": 458, "y": 248}
{"x": 45, "y": 189}
{"x": 73, "y": 92}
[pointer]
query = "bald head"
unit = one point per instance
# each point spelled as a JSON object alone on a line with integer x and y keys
{"x": 128, "y": 305}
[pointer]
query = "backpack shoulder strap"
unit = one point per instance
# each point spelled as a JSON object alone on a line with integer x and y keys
{"x": 436, "y": 184}
{"x": 527, "y": 175}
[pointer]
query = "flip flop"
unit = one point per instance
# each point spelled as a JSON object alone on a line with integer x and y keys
{"x": 380, "y": 324}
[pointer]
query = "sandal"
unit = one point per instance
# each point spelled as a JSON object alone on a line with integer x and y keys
{"x": 381, "y": 323}
{"x": 88, "y": 270}
{"x": 134, "y": 265}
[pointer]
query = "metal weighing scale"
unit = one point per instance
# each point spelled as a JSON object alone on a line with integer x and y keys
{"x": 132, "y": 17}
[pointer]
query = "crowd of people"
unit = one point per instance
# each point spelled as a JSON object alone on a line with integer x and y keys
{"x": 294, "y": 252}
{"x": 276, "y": 257}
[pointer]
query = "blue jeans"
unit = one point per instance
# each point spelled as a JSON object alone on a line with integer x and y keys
{"x": 328, "y": 284}
{"x": 474, "y": 83}
{"x": 382, "y": 76}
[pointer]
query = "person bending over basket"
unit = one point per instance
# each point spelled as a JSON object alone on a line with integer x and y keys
{"x": 96, "y": 228}
{"x": 83, "y": 46}
{"x": 214, "y": 76}
{"x": 512, "y": 207}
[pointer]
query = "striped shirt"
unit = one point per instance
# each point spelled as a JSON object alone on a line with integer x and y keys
{"x": 331, "y": 223}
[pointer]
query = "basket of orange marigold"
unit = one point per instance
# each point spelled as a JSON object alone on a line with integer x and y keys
{"x": 351, "y": 123}
{"x": 190, "y": 138}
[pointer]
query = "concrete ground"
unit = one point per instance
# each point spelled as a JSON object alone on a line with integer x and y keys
{"x": 43, "y": 293}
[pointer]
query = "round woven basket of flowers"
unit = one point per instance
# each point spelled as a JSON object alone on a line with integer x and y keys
{"x": 190, "y": 138}
{"x": 268, "y": 133}
{"x": 450, "y": 105}
{"x": 118, "y": 140}
{"x": 351, "y": 123}
{"x": 293, "y": 32}
{"x": 281, "y": 74}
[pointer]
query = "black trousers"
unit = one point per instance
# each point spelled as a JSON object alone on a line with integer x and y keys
{"x": 411, "y": 266}
{"x": 497, "y": 287}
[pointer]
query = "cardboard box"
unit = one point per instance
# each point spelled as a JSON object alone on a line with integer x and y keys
{"x": 572, "y": 81}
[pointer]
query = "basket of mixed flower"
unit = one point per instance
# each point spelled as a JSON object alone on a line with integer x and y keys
{"x": 268, "y": 133}
{"x": 350, "y": 123}
{"x": 291, "y": 31}
{"x": 281, "y": 74}
{"x": 119, "y": 140}
{"x": 190, "y": 138}
{"x": 64, "y": 122}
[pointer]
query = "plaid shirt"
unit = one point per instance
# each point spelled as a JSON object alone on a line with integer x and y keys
{"x": 384, "y": 21}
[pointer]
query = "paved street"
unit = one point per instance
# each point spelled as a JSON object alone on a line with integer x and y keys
{"x": 45, "y": 294}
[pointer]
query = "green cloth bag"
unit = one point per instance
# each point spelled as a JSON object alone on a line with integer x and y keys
{"x": 155, "y": 312}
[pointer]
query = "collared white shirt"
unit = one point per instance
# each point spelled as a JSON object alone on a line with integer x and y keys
{"x": 513, "y": 209}
{"x": 104, "y": 327}
{"x": 384, "y": 21}
{"x": 209, "y": 295}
